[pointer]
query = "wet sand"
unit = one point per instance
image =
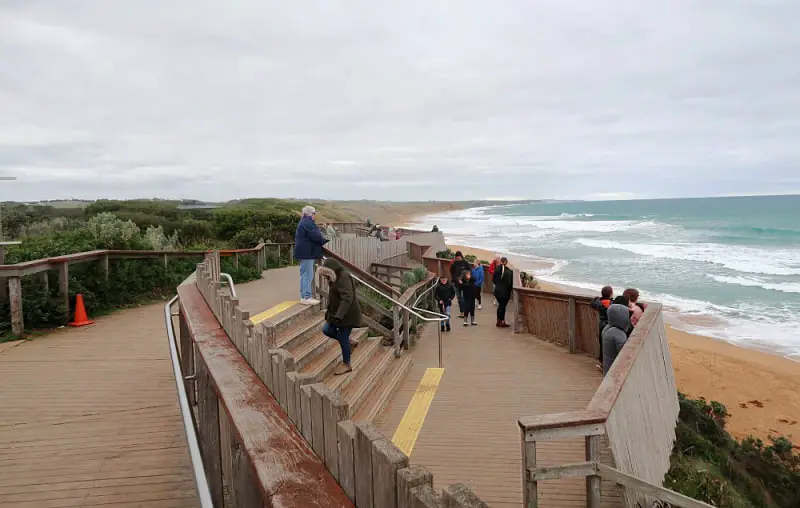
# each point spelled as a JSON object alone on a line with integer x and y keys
{"x": 761, "y": 390}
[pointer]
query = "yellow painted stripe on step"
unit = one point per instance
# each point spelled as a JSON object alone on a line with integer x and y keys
{"x": 405, "y": 437}
{"x": 272, "y": 311}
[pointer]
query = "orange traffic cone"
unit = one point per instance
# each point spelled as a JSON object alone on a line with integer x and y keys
{"x": 81, "y": 319}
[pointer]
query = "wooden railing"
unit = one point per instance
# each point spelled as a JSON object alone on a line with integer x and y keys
{"x": 14, "y": 273}
{"x": 262, "y": 423}
{"x": 362, "y": 252}
{"x": 635, "y": 409}
{"x": 390, "y": 274}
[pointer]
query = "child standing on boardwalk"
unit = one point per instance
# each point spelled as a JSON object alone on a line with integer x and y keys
{"x": 445, "y": 292}
{"x": 477, "y": 275}
{"x": 469, "y": 291}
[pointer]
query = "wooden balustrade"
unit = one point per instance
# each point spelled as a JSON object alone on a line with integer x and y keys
{"x": 253, "y": 405}
{"x": 634, "y": 410}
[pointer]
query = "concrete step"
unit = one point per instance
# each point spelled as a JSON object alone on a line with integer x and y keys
{"x": 382, "y": 395}
{"x": 362, "y": 356}
{"x": 358, "y": 390}
{"x": 323, "y": 365}
{"x": 300, "y": 331}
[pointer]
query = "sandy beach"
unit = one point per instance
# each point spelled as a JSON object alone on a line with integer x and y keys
{"x": 761, "y": 390}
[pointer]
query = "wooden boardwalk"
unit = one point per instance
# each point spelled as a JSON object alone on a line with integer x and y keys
{"x": 90, "y": 417}
{"x": 491, "y": 378}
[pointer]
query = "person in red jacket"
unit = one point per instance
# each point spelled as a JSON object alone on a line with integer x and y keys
{"x": 492, "y": 267}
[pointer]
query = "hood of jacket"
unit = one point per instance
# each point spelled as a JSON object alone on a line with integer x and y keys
{"x": 331, "y": 268}
{"x": 619, "y": 316}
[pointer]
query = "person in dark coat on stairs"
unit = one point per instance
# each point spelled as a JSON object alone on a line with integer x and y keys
{"x": 343, "y": 313}
{"x": 503, "y": 287}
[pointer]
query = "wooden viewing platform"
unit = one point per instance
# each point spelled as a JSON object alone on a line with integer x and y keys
{"x": 90, "y": 416}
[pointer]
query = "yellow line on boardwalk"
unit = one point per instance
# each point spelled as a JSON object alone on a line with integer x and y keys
{"x": 405, "y": 437}
{"x": 272, "y": 311}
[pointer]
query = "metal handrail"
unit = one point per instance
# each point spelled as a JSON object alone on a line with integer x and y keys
{"x": 199, "y": 471}
{"x": 413, "y": 310}
{"x": 230, "y": 283}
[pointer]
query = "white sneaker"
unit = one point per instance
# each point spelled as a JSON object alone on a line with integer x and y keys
{"x": 480, "y": 306}
{"x": 309, "y": 301}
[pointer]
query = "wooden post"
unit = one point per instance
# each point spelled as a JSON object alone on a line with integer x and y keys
{"x": 517, "y": 318}
{"x": 334, "y": 410}
{"x": 406, "y": 329}
{"x": 593, "y": 497}
{"x": 15, "y": 299}
{"x": 409, "y": 480}
{"x": 104, "y": 265}
{"x": 529, "y": 487}
{"x": 318, "y": 392}
{"x": 63, "y": 284}
{"x": 279, "y": 255}
{"x": 246, "y": 491}
{"x": 366, "y": 435}
{"x": 187, "y": 359}
{"x": 459, "y": 496}
{"x": 395, "y": 323}
{"x": 573, "y": 347}
{"x": 347, "y": 434}
{"x": 208, "y": 430}
{"x": 166, "y": 261}
{"x": 236, "y": 260}
{"x": 45, "y": 280}
{"x": 387, "y": 459}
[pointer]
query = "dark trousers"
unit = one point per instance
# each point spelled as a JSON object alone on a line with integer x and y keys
{"x": 502, "y": 303}
{"x": 600, "y": 336}
{"x": 469, "y": 308}
{"x": 342, "y": 335}
{"x": 460, "y": 298}
{"x": 478, "y": 297}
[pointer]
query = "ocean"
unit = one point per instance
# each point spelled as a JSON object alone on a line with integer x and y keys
{"x": 727, "y": 268}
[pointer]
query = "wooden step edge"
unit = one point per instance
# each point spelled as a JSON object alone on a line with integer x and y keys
{"x": 288, "y": 317}
{"x": 325, "y": 364}
{"x": 367, "y": 349}
{"x": 292, "y": 336}
{"x": 383, "y": 396}
{"x": 366, "y": 383}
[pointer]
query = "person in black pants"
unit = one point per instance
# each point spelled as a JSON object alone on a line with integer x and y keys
{"x": 469, "y": 290}
{"x": 457, "y": 269}
{"x": 601, "y": 304}
{"x": 503, "y": 287}
{"x": 445, "y": 292}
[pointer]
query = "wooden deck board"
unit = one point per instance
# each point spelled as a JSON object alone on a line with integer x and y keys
{"x": 492, "y": 377}
{"x": 89, "y": 417}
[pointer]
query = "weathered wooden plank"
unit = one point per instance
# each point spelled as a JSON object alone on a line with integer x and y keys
{"x": 209, "y": 432}
{"x": 459, "y": 496}
{"x": 301, "y": 380}
{"x": 318, "y": 392}
{"x": 387, "y": 459}
{"x": 366, "y": 435}
{"x": 578, "y": 470}
{"x": 307, "y": 425}
{"x": 63, "y": 284}
{"x": 426, "y": 497}
{"x": 408, "y": 480}
{"x": 334, "y": 410}
{"x": 660, "y": 493}
{"x": 15, "y": 299}
{"x": 572, "y": 339}
{"x": 291, "y": 397}
{"x": 246, "y": 491}
{"x": 346, "y": 441}
{"x": 593, "y": 495}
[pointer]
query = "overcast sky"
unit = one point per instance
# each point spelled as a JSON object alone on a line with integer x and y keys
{"x": 415, "y": 99}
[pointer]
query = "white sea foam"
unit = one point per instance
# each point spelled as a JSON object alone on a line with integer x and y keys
{"x": 785, "y": 287}
{"x": 740, "y": 259}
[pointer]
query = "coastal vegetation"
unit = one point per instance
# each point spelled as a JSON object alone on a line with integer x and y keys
{"x": 708, "y": 464}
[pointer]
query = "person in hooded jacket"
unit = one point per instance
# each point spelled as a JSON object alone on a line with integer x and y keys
{"x": 615, "y": 334}
{"x": 457, "y": 269}
{"x": 444, "y": 293}
{"x": 601, "y": 305}
{"x": 343, "y": 313}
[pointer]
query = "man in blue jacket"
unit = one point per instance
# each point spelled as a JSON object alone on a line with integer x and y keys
{"x": 308, "y": 242}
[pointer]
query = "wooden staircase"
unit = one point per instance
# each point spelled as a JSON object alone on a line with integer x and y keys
{"x": 376, "y": 375}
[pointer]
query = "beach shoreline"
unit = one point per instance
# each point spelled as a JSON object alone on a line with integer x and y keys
{"x": 759, "y": 387}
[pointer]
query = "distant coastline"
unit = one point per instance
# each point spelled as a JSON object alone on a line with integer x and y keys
{"x": 760, "y": 387}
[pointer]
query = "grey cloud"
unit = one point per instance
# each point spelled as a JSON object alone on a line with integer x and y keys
{"x": 410, "y": 100}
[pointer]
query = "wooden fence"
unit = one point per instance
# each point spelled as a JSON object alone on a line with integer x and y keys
{"x": 260, "y": 421}
{"x": 13, "y": 273}
{"x": 635, "y": 409}
{"x": 362, "y": 252}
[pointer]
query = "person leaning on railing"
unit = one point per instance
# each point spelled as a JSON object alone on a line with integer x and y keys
{"x": 308, "y": 242}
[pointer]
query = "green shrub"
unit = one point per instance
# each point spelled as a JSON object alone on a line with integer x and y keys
{"x": 445, "y": 254}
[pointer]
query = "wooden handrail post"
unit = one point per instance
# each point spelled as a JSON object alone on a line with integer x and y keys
{"x": 573, "y": 347}
{"x": 15, "y": 299}
{"x": 593, "y": 498}
{"x": 63, "y": 284}
{"x": 104, "y": 266}
{"x": 406, "y": 329}
{"x": 530, "y": 487}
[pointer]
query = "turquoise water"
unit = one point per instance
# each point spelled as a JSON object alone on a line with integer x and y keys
{"x": 725, "y": 267}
